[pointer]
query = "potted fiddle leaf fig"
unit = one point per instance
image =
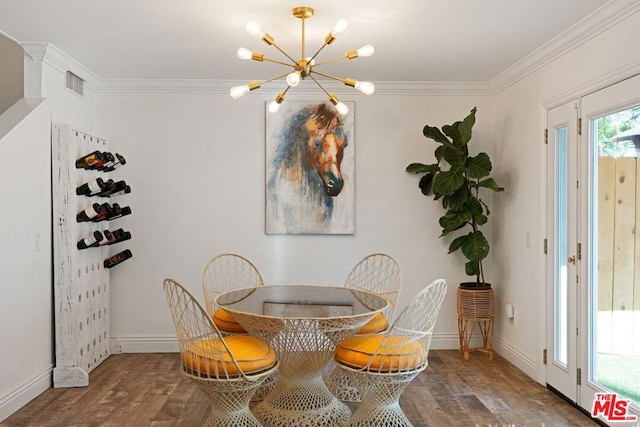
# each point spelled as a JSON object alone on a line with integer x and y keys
{"x": 458, "y": 180}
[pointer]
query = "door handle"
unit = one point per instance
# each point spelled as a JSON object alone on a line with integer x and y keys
{"x": 572, "y": 259}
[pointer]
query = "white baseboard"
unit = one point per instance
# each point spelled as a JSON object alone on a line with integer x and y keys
{"x": 144, "y": 344}
{"x": 521, "y": 360}
{"x": 16, "y": 399}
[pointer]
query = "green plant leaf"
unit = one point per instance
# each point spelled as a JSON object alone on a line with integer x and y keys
{"x": 447, "y": 182}
{"x": 452, "y": 221}
{"x": 472, "y": 268}
{"x": 454, "y": 155}
{"x": 479, "y": 166}
{"x": 490, "y": 183}
{"x": 426, "y": 183}
{"x": 475, "y": 247}
{"x": 435, "y": 134}
{"x": 481, "y": 219}
{"x": 440, "y": 153}
{"x": 474, "y": 206}
{"x": 422, "y": 168}
{"x": 456, "y": 244}
{"x": 452, "y": 132}
{"x": 466, "y": 126}
{"x": 458, "y": 198}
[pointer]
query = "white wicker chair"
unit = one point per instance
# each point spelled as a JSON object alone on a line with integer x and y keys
{"x": 382, "y": 365}
{"x": 377, "y": 273}
{"x": 228, "y": 272}
{"x": 228, "y": 369}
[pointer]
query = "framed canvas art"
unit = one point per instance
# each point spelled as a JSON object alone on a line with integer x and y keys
{"x": 310, "y": 169}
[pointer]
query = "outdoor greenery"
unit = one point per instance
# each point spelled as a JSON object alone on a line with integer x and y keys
{"x": 456, "y": 179}
{"x": 620, "y": 373}
{"x": 612, "y": 124}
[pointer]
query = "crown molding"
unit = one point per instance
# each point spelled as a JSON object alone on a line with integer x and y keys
{"x": 49, "y": 54}
{"x": 597, "y": 22}
{"x": 220, "y": 87}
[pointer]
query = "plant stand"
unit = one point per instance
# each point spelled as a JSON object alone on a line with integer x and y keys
{"x": 475, "y": 308}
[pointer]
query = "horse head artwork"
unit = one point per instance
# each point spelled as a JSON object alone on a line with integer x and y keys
{"x": 306, "y": 181}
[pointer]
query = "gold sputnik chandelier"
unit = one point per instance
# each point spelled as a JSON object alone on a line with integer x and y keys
{"x": 305, "y": 66}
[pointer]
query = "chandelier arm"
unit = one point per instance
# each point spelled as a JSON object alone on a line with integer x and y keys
{"x": 319, "y": 50}
{"x": 328, "y": 61}
{"x": 275, "y": 61}
{"x": 318, "y": 83}
{"x": 329, "y": 76}
{"x": 284, "y": 53}
{"x": 273, "y": 78}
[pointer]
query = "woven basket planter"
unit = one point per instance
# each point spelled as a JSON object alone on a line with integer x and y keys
{"x": 475, "y": 303}
{"x": 476, "y": 308}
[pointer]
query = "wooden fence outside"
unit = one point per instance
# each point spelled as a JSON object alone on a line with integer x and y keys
{"x": 618, "y": 255}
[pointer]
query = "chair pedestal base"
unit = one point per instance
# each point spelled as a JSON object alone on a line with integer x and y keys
{"x": 305, "y": 403}
{"x": 380, "y": 394}
{"x": 229, "y": 401}
{"x": 342, "y": 387}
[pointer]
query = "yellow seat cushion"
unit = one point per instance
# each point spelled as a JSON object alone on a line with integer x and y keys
{"x": 209, "y": 356}
{"x": 226, "y": 323}
{"x": 398, "y": 353}
{"x": 377, "y": 324}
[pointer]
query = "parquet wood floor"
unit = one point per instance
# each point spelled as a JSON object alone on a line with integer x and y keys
{"x": 148, "y": 390}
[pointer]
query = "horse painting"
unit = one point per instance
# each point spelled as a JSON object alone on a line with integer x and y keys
{"x": 309, "y": 170}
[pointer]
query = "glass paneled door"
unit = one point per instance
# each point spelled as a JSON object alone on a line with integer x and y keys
{"x": 593, "y": 253}
{"x": 562, "y": 259}
{"x": 611, "y": 319}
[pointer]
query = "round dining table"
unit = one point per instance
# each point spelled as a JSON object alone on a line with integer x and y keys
{"x": 303, "y": 324}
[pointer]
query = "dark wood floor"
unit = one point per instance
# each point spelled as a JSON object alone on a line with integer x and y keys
{"x": 148, "y": 390}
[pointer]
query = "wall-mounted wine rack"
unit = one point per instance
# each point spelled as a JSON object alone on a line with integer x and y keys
{"x": 81, "y": 251}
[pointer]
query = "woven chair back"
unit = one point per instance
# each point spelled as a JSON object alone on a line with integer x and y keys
{"x": 198, "y": 338}
{"x": 408, "y": 339}
{"x": 227, "y": 272}
{"x": 378, "y": 273}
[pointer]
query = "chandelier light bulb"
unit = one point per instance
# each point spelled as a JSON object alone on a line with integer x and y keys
{"x": 254, "y": 29}
{"x": 366, "y": 50}
{"x": 365, "y": 87}
{"x": 274, "y": 107}
{"x": 237, "y": 92}
{"x": 339, "y": 28}
{"x": 293, "y": 79}
{"x": 342, "y": 108}
{"x": 244, "y": 53}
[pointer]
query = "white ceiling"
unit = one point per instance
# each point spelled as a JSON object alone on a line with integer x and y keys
{"x": 415, "y": 40}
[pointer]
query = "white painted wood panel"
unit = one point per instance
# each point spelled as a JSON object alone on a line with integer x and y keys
{"x": 81, "y": 284}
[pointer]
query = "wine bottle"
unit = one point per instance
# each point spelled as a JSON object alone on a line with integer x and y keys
{"x": 104, "y": 156}
{"x": 117, "y": 187}
{"x": 120, "y": 161}
{"x": 90, "y": 240}
{"x": 107, "y": 210}
{"x": 125, "y": 190}
{"x": 89, "y": 213}
{"x": 108, "y": 163}
{"x": 108, "y": 186}
{"x": 117, "y": 258}
{"x": 123, "y": 212}
{"x": 91, "y": 187}
{"x": 109, "y": 238}
{"x": 125, "y": 236}
{"x": 89, "y": 160}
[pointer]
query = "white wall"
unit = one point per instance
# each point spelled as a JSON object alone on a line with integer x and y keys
{"x": 26, "y": 297}
{"x": 520, "y": 118}
{"x": 196, "y": 165}
{"x": 25, "y": 257}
